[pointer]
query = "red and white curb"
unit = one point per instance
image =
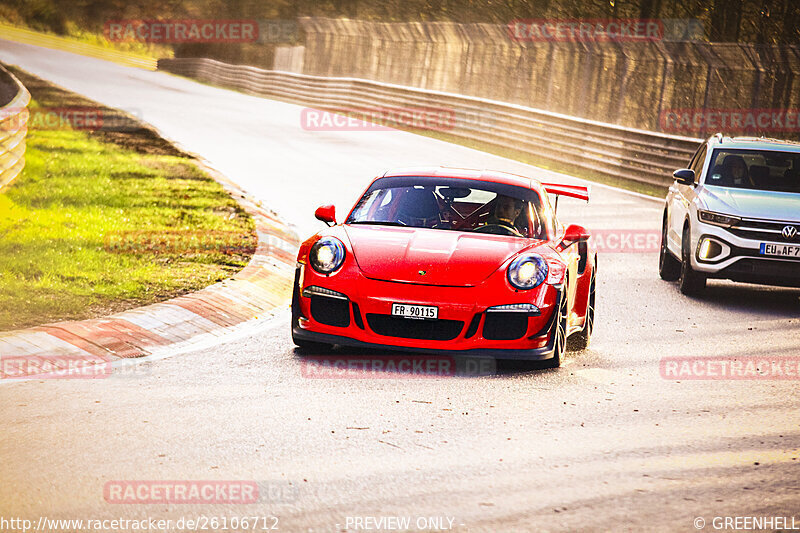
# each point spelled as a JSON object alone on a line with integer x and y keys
{"x": 89, "y": 348}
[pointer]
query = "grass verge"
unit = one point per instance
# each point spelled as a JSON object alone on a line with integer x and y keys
{"x": 79, "y": 41}
{"x": 102, "y": 221}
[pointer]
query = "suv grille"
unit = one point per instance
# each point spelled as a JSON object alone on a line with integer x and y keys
{"x": 763, "y": 230}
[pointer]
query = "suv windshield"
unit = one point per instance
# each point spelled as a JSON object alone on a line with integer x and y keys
{"x": 454, "y": 204}
{"x": 763, "y": 170}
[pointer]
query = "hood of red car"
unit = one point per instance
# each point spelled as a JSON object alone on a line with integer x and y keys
{"x": 430, "y": 256}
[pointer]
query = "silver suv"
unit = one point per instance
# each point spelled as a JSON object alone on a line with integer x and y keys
{"x": 734, "y": 213}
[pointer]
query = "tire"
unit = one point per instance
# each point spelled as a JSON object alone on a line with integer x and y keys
{"x": 560, "y": 332}
{"x": 669, "y": 268}
{"x": 692, "y": 282}
{"x": 580, "y": 341}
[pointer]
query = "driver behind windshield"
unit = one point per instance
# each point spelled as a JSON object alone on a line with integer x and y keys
{"x": 506, "y": 211}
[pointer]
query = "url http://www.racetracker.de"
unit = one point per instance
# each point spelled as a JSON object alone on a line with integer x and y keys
{"x": 199, "y": 523}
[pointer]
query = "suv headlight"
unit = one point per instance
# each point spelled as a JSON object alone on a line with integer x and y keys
{"x": 717, "y": 219}
{"x": 527, "y": 271}
{"x": 327, "y": 255}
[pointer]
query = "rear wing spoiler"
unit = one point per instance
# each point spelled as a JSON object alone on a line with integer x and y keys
{"x": 574, "y": 191}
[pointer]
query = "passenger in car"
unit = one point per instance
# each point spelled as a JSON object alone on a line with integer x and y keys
{"x": 735, "y": 172}
{"x": 419, "y": 208}
{"x": 760, "y": 176}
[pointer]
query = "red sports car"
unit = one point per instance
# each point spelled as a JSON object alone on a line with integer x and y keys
{"x": 444, "y": 260}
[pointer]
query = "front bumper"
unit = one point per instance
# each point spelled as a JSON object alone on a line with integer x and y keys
{"x": 536, "y": 354}
{"x": 464, "y": 326}
{"x": 741, "y": 259}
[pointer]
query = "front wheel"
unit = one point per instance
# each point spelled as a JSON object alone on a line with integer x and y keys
{"x": 669, "y": 268}
{"x": 560, "y": 333}
{"x": 692, "y": 281}
{"x": 580, "y": 341}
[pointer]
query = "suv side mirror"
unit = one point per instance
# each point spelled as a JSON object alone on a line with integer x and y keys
{"x": 684, "y": 176}
{"x": 575, "y": 233}
{"x": 327, "y": 214}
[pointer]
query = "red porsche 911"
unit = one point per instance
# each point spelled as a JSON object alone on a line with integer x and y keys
{"x": 453, "y": 261}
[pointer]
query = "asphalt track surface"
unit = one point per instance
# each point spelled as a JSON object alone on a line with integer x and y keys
{"x": 604, "y": 443}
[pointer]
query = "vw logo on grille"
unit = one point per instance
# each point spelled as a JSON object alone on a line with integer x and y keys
{"x": 789, "y": 232}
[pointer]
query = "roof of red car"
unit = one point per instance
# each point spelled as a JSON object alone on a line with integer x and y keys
{"x": 494, "y": 176}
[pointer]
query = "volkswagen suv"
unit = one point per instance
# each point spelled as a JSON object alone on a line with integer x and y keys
{"x": 734, "y": 213}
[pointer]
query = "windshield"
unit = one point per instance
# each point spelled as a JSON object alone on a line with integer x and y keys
{"x": 763, "y": 170}
{"x": 453, "y": 204}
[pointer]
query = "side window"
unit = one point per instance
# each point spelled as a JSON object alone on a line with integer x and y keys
{"x": 387, "y": 197}
{"x": 547, "y": 215}
{"x": 697, "y": 163}
{"x": 694, "y": 157}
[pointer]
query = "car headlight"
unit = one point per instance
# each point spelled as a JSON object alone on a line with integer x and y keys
{"x": 327, "y": 255}
{"x": 717, "y": 219}
{"x": 527, "y": 271}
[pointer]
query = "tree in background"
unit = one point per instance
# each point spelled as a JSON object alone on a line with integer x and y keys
{"x": 754, "y": 21}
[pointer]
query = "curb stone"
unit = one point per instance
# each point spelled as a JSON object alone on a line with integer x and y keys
{"x": 262, "y": 287}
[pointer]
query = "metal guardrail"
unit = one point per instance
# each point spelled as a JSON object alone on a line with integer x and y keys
{"x": 21, "y": 35}
{"x": 13, "y": 128}
{"x": 606, "y": 149}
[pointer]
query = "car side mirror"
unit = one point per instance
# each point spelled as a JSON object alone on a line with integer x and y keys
{"x": 684, "y": 176}
{"x": 327, "y": 214}
{"x": 575, "y": 233}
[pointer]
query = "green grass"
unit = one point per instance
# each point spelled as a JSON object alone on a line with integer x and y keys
{"x": 134, "y": 47}
{"x": 74, "y": 33}
{"x": 78, "y": 227}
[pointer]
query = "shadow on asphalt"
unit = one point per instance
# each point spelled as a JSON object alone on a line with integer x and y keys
{"x": 758, "y": 299}
{"x": 357, "y": 362}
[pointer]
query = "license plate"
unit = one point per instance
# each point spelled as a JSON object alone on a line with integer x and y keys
{"x": 415, "y": 311}
{"x": 781, "y": 250}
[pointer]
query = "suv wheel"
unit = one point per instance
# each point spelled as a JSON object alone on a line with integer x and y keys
{"x": 692, "y": 282}
{"x": 669, "y": 268}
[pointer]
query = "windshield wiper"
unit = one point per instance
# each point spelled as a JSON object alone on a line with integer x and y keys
{"x": 378, "y": 223}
